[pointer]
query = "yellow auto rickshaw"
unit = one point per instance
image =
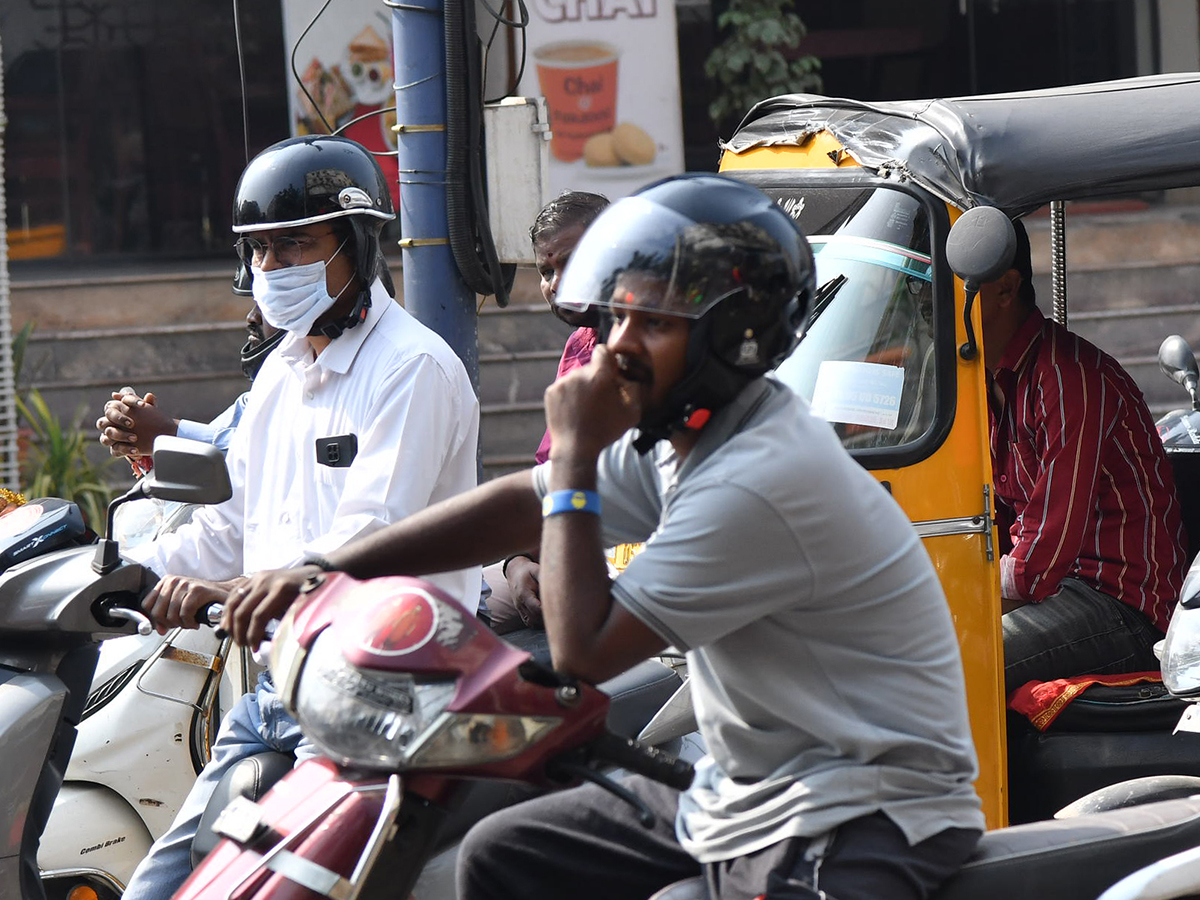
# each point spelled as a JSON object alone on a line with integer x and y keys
{"x": 890, "y": 353}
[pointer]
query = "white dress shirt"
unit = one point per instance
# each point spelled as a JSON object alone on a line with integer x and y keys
{"x": 392, "y": 383}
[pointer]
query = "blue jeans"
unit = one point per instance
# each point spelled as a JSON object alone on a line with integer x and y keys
{"x": 257, "y": 723}
{"x": 1078, "y": 631}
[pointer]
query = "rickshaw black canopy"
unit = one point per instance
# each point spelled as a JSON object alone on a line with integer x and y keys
{"x": 1015, "y": 151}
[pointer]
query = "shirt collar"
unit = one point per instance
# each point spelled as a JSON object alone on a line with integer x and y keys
{"x": 1027, "y": 336}
{"x": 340, "y": 352}
{"x": 729, "y": 420}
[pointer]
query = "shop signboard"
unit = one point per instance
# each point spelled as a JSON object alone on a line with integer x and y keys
{"x": 345, "y": 64}
{"x": 609, "y": 70}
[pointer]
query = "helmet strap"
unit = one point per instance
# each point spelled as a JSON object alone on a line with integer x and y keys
{"x": 362, "y": 305}
{"x": 709, "y": 385}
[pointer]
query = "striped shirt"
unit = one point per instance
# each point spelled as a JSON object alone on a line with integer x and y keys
{"x": 1085, "y": 489}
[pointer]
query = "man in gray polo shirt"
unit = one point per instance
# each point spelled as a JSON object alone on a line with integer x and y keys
{"x": 825, "y": 671}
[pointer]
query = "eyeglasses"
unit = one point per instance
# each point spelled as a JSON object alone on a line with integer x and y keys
{"x": 287, "y": 249}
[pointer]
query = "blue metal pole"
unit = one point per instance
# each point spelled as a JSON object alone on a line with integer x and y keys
{"x": 434, "y": 291}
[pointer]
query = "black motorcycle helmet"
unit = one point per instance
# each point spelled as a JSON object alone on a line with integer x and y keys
{"x": 316, "y": 178}
{"x": 734, "y": 263}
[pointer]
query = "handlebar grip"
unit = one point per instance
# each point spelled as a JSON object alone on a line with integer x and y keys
{"x": 642, "y": 760}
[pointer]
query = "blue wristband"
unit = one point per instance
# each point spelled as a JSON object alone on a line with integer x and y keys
{"x": 570, "y": 501}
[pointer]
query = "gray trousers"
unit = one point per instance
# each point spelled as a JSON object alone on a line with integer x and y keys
{"x": 1078, "y": 631}
{"x": 586, "y": 844}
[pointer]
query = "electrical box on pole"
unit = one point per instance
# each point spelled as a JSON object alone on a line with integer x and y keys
{"x": 517, "y": 146}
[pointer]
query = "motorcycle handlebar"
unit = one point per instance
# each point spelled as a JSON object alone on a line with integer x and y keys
{"x": 210, "y": 613}
{"x": 655, "y": 764}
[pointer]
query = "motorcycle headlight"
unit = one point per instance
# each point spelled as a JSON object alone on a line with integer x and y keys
{"x": 1181, "y": 651}
{"x": 460, "y": 739}
{"x": 393, "y": 721}
{"x": 367, "y": 718}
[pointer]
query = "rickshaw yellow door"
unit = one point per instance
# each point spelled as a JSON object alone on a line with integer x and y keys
{"x": 947, "y": 497}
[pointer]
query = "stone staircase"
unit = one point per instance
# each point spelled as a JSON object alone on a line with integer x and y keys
{"x": 1134, "y": 278}
{"x": 178, "y": 334}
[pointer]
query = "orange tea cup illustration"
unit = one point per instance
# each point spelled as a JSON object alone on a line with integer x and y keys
{"x": 579, "y": 81}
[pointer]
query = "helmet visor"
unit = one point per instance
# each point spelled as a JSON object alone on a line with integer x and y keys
{"x": 641, "y": 255}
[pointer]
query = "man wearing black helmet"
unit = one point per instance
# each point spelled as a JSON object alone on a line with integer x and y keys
{"x": 824, "y": 666}
{"x": 360, "y": 417}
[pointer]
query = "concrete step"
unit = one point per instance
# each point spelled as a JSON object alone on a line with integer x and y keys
{"x": 510, "y": 434}
{"x": 520, "y": 328}
{"x": 1131, "y": 280}
{"x": 176, "y": 329}
{"x": 516, "y": 377}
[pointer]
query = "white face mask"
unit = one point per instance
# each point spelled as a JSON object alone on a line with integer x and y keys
{"x": 293, "y": 298}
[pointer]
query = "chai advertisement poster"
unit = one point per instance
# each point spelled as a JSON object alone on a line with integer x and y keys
{"x": 345, "y": 62}
{"x": 609, "y": 70}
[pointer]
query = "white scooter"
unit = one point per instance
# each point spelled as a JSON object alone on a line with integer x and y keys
{"x": 147, "y": 729}
{"x": 59, "y": 598}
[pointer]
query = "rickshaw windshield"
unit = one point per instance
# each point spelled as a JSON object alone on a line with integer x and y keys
{"x": 867, "y": 361}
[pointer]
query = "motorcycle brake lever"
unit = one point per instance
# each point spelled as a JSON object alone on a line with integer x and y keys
{"x": 563, "y": 770}
{"x": 144, "y": 625}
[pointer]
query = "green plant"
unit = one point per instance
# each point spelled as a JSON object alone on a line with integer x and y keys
{"x": 758, "y": 58}
{"x": 58, "y": 464}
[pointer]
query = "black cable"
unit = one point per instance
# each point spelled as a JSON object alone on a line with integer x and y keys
{"x": 520, "y": 24}
{"x": 356, "y": 119}
{"x": 524, "y": 47}
{"x": 500, "y": 280}
{"x": 296, "y": 74}
{"x": 237, "y": 36}
{"x": 500, "y": 18}
{"x": 487, "y": 52}
{"x": 460, "y": 224}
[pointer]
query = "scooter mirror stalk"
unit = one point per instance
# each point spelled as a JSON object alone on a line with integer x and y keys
{"x": 187, "y": 471}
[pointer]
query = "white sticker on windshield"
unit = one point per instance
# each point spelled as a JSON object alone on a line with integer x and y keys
{"x": 858, "y": 393}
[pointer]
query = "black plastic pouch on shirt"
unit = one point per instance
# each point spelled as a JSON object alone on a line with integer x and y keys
{"x": 337, "y": 451}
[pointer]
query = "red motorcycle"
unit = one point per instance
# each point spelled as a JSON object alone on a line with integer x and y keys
{"x": 427, "y": 720}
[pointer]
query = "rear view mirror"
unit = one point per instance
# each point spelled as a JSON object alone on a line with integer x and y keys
{"x": 981, "y": 245}
{"x": 1178, "y": 362}
{"x": 187, "y": 471}
{"x": 979, "y": 248}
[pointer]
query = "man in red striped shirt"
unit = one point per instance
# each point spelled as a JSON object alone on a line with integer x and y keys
{"x": 1086, "y": 504}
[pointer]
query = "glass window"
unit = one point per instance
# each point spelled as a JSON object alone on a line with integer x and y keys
{"x": 867, "y": 363}
{"x": 124, "y": 129}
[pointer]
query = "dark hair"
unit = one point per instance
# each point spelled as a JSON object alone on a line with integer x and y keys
{"x": 568, "y": 209}
{"x": 1023, "y": 263}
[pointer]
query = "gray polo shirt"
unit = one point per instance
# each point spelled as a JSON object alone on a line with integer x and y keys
{"x": 825, "y": 671}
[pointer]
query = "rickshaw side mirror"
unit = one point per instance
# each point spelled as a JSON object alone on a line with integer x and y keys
{"x": 1178, "y": 362}
{"x": 979, "y": 248}
{"x": 981, "y": 245}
